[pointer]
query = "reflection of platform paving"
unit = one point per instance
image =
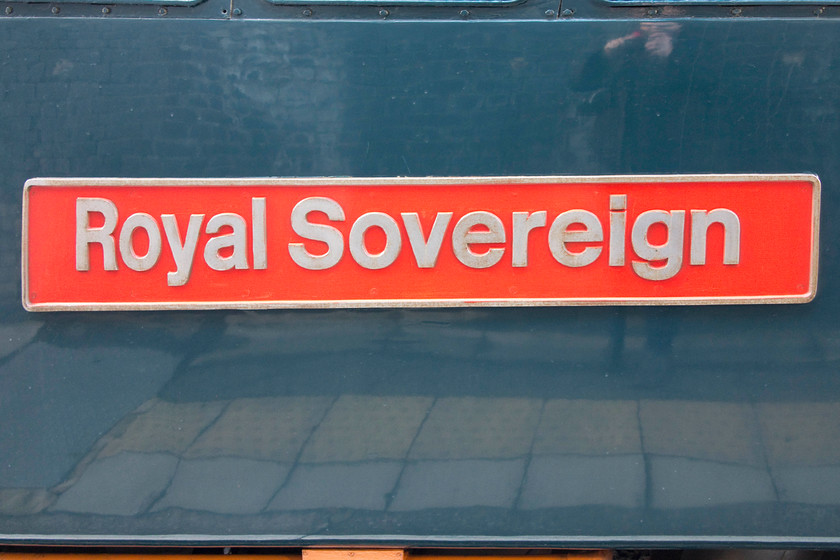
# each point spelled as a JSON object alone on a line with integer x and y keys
{"x": 582, "y": 427}
{"x": 692, "y": 443}
{"x": 718, "y": 432}
{"x": 584, "y": 480}
{"x": 684, "y": 482}
{"x": 272, "y": 429}
{"x": 586, "y": 453}
{"x": 166, "y": 428}
{"x": 366, "y": 428}
{"x": 223, "y": 485}
{"x": 56, "y": 401}
{"x": 471, "y": 427}
{"x": 358, "y": 485}
{"x": 125, "y": 484}
{"x": 399, "y": 454}
{"x": 459, "y": 483}
{"x": 802, "y": 451}
{"x": 24, "y": 501}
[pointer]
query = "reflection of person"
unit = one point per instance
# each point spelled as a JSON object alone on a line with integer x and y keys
{"x": 639, "y": 99}
{"x": 618, "y": 41}
{"x": 639, "y": 86}
{"x": 658, "y": 38}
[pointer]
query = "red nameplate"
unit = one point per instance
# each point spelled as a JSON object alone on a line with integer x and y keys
{"x": 99, "y": 244}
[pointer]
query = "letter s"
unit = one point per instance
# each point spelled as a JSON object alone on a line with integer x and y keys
{"x": 317, "y": 232}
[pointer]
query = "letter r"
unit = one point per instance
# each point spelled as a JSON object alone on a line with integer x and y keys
{"x": 85, "y": 235}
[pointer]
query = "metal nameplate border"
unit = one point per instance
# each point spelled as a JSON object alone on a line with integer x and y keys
{"x": 450, "y": 181}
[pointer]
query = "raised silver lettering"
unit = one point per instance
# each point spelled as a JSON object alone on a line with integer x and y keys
{"x": 393, "y": 241}
{"x": 129, "y": 256}
{"x": 317, "y": 232}
{"x": 237, "y": 240}
{"x": 426, "y": 251}
{"x": 700, "y": 222}
{"x": 523, "y": 223}
{"x": 618, "y": 228}
{"x": 258, "y": 233}
{"x": 462, "y": 238}
{"x": 85, "y": 235}
{"x": 183, "y": 253}
{"x": 671, "y": 251}
{"x": 559, "y": 235}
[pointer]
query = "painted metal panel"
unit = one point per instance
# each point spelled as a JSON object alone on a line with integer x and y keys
{"x": 549, "y": 427}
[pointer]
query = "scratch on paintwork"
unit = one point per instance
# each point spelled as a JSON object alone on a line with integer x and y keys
{"x": 688, "y": 97}
{"x": 407, "y": 168}
{"x": 792, "y": 61}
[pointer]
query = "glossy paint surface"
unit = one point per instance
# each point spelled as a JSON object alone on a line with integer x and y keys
{"x": 558, "y": 427}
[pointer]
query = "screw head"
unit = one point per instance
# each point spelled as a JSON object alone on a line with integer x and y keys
{"x": 550, "y": 13}
{"x": 163, "y": 11}
{"x": 464, "y": 13}
{"x": 567, "y": 13}
{"x": 9, "y": 10}
{"x": 307, "y": 12}
{"x": 55, "y": 10}
{"x": 106, "y": 10}
{"x": 384, "y": 13}
{"x": 735, "y": 11}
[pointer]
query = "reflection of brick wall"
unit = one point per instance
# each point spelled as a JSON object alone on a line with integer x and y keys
{"x": 172, "y": 98}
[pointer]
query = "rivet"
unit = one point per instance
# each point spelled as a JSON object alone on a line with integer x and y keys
{"x": 307, "y": 12}
{"x": 163, "y": 11}
{"x": 567, "y": 13}
{"x": 384, "y": 13}
{"x": 55, "y": 10}
{"x": 106, "y": 10}
{"x": 237, "y": 11}
{"x": 550, "y": 13}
